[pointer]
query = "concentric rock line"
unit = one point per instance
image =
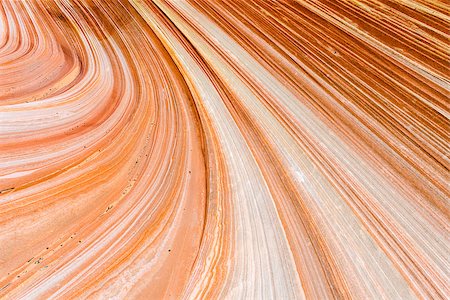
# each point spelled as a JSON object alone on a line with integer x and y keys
{"x": 196, "y": 149}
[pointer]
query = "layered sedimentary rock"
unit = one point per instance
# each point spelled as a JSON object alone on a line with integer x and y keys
{"x": 224, "y": 149}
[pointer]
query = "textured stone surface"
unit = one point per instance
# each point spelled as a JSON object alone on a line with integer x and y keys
{"x": 224, "y": 149}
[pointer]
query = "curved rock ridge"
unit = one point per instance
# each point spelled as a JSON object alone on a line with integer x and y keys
{"x": 198, "y": 149}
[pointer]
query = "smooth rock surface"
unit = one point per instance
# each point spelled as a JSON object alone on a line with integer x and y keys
{"x": 233, "y": 149}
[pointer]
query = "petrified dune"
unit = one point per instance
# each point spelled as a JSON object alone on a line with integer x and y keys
{"x": 230, "y": 149}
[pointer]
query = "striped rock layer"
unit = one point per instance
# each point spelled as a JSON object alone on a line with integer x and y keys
{"x": 233, "y": 149}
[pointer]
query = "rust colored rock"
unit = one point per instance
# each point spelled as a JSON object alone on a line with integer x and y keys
{"x": 156, "y": 149}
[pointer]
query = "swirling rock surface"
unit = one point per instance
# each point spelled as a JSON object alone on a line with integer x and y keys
{"x": 224, "y": 149}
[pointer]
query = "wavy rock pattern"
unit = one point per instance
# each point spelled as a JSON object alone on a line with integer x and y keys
{"x": 224, "y": 149}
